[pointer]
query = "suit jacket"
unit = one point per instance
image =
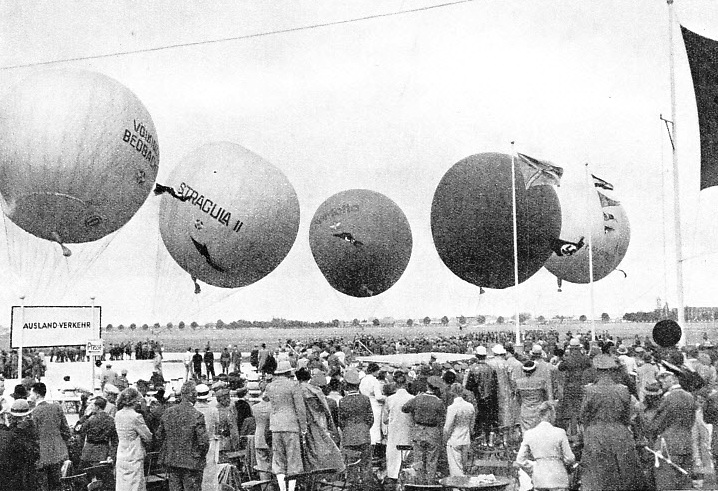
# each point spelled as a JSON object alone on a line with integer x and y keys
{"x": 132, "y": 434}
{"x": 355, "y": 419}
{"x": 53, "y": 431}
{"x": 261, "y": 412}
{"x": 674, "y": 421}
{"x": 289, "y": 412}
{"x": 183, "y": 437}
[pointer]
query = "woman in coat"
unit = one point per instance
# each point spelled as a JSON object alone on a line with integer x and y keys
{"x": 531, "y": 391}
{"x": 133, "y": 435}
{"x": 549, "y": 452}
{"x": 320, "y": 451}
{"x": 609, "y": 460}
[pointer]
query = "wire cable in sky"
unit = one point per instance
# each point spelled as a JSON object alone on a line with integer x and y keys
{"x": 235, "y": 38}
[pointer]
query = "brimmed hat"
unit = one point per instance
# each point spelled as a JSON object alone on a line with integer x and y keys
{"x": 622, "y": 350}
{"x": 351, "y": 376}
{"x": 604, "y": 362}
{"x": 575, "y": 342}
{"x": 480, "y": 351}
{"x": 435, "y": 382}
{"x": 283, "y": 367}
{"x": 536, "y": 349}
{"x": 20, "y": 408}
{"x": 529, "y": 366}
{"x": 111, "y": 389}
{"x": 499, "y": 349}
{"x": 224, "y": 391}
{"x": 202, "y": 392}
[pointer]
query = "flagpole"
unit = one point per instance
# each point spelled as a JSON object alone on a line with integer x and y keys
{"x": 516, "y": 245}
{"x": 590, "y": 190}
{"x": 676, "y": 187}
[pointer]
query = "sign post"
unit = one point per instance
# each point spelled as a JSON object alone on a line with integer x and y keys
{"x": 89, "y": 351}
{"x": 19, "y": 338}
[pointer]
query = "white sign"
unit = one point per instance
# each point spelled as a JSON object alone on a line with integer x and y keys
{"x": 95, "y": 347}
{"x": 54, "y": 326}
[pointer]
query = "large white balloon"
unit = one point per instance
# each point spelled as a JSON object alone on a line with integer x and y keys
{"x": 78, "y": 155}
{"x": 234, "y": 216}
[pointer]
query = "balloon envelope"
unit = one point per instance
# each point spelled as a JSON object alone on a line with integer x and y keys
{"x": 472, "y": 221}
{"x": 583, "y": 209}
{"x": 78, "y": 156}
{"x": 235, "y": 218}
{"x": 361, "y": 241}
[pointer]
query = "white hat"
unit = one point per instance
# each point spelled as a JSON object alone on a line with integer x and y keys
{"x": 480, "y": 350}
{"x": 283, "y": 367}
{"x": 111, "y": 389}
{"x": 202, "y": 392}
{"x": 499, "y": 349}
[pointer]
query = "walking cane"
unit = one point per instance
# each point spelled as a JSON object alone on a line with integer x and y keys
{"x": 658, "y": 457}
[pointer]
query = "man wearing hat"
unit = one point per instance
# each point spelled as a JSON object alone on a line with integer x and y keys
{"x": 673, "y": 424}
{"x": 108, "y": 376}
{"x": 18, "y": 449}
{"x": 609, "y": 459}
{"x": 504, "y": 389}
{"x": 429, "y": 414}
{"x": 574, "y": 363}
{"x": 483, "y": 383}
{"x": 184, "y": 442}
{"x": 97, "y": 429}
{"x": 355, "y": 420}
{"x": 288, "y": 421}
{"x": 122, "y": 382}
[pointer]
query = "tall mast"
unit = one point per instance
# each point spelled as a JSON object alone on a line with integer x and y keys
{"x": 590, "y": 193}
{"x": 676, "y": 187}
{"x": 516, "y": 245}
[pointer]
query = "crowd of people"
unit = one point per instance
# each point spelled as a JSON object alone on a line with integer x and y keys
{"x": 569, "y": 413}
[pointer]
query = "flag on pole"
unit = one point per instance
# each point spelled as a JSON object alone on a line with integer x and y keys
{"x": 600, "y": 183}
{"x": 606, "y": 201}
{"x": 538, "y": 172}
{"x": 703, "y": 60}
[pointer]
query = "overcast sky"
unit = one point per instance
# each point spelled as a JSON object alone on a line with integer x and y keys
{"x": 387, "y": 104}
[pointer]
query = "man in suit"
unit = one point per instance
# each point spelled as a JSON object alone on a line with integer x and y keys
{"x": 355, "y": 420}
{"x": 97, "y": 430}
{"x": 184, "y": 442}
{"x": 288, "y": 421}
{"x": 573, "y": 365}
{"x": 483, "y": 383}
{"x": 672, "y": 426}
{"x": 54, "y": 433}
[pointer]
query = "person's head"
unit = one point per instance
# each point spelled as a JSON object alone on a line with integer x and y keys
{"x": 196, "y": 350}
{"x": 303, "y": 375}
{"x": 189, "y": 392}
{"x": 667, "y": 380}
{"x": 100, "y": 403}
{"x": 448, "y": 377}
{"x": 547, "y": 412}
{"x": 129, "y": 398}
{"x": 372, "y": 369}
{"x": 38, "y": 391}
{"x": 66, "y": 378}
{"x": 124, "y": 372}
{"x": 529, "y": 368}
{"x": 652, "y": 394}
{"x": 456, "y": 389}
{"x": 223, "y": 397}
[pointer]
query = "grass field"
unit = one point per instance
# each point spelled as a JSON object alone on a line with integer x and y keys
{"x": 179, "y": 340}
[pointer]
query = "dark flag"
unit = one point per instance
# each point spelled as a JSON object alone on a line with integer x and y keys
{"x": 564, "y": 247}
{"x": 600, "y": 183}
{"x": 538, "y": 172}
{"x": 703, "y": 60}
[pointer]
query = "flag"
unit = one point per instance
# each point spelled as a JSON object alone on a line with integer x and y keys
{"x": 565, "y": 248}
{"x": 606, "y": 201}
{"x": 703, "y": 60}
{"x": 600, "y": 183}
{"x": 538, "y": 172}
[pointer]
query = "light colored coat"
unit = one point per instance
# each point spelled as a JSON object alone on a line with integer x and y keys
{"x": 133, "y": 435}
{"x": 459, "y": 419}
{"x": 550, "y": 450}
{"x": 371, "y": 387}
{"x": 288, "y": 410}
{"x": 399, "y": 427}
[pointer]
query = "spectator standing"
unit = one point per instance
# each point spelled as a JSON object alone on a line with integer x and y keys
{"x": 224, "y": 360}
{"x": 263, "y": 436}
{"x": 483, "y": 383}
{"x": 184, "y": 442}
{"x": 355, "y": 420}
{"x": 209, "y": 363}
{"x": 19, "y": 449}
{"x": 211, "y": 421}
{"x": 288, "y": 422}
{"x": 53, "y": 434}
{"x": 187, "y": 359}
{"x": 133, "y": 435}
{"x": 97, "y": 430}
{"x": 549, "y": 452}
{"x": 371, "y": 387}
{"x": 237, "y": 359}
{"x": 399, "y": 425}
{"x": 672, "y": 426}
{"x": 573, "y": 365}
{"x": 609, "y": 460}
{"x": 531, "y": 391}
{"x": 197, "y": 364}
{"x": 122, "y": 382}
{"x": 457, "y": 430}
{"x": 429, "y": 415}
